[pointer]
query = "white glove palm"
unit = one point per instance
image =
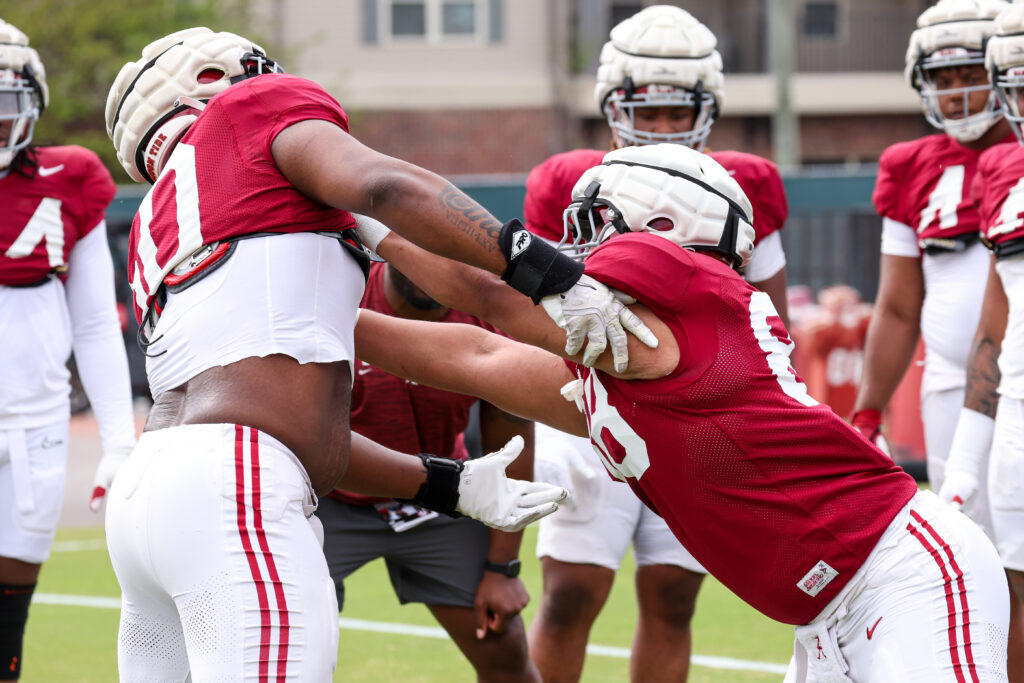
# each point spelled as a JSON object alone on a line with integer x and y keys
{"x": 488, "y": 495}
{"x": 591, "y": 311}
{"x": 109, "y": 465}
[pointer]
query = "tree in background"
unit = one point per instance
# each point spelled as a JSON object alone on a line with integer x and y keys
{"x": 83, "y": 44}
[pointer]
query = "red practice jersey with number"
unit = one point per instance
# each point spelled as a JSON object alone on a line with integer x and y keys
{"x": 999, "y": 192}
{"x": 549, "y": 189}
{"x": 772, "y": 492}
{"x": 221, "y": 180}
{"x": 926, "y": 184}
{"x": 404, "y": 415}
{"x": 45, "y": 214}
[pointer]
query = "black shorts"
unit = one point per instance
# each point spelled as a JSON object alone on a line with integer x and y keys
{"x": 439, "y": 562}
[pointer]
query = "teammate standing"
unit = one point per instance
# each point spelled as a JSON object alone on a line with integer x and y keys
{"x": 995, "y": 373}
{"x": 56, "y": 296}
{"x": 466, "y": 574}
{"x": 246, "y": 286}
{"x": 933, "y": 268}
{"x": 659, "y": 80}
{"x": 805, "y": 521}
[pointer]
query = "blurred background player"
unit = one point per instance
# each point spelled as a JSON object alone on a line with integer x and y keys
{"x": 56, "y": 296}
{"x": 659, "y": 80}
{"x": 805, "y": 520}
{"x": 995, "y": 370}
{"x": 933, "y": 268}
{"x": 466, "y": 574}
{"x": 246, "y": 285}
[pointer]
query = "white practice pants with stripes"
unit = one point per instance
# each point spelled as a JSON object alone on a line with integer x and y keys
{"x": 222, "y": 575}
{"x": 930, "y": 605}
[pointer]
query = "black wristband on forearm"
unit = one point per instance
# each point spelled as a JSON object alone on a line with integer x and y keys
{"x": 533, "y": 266}
{"x": 440, "y": 492}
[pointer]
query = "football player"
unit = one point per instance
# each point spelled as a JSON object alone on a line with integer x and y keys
{"x": 466, "y": 574}
{"x": 56, "y": 296}
{"x": 995, "y": 372}
{"x": 246, "y": 285}
{"x": 775, "y": 495}
{"x": 659, "y": 81}
{"x": 933, "y": 268}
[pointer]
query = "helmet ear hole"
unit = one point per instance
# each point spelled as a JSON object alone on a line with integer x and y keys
{"x": 209, "y": 75}
{"x": 661, "y": 224}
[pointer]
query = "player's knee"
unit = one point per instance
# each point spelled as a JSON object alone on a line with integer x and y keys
{"x": 566, "y": 606}
{"x": 14, "y": 601}
{"x": 672, "y": 603}
{"x": 504, "y": 656}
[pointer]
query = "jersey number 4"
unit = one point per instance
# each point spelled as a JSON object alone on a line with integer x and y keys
{"x": 46, "y": 223}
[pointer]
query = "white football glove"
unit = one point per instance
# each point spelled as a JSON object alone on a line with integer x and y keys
{"x": 488, "y": 495}
{"x": 596, "y": 313}
{"x": 971, "y": 443}
{"x": 109, "y": 465}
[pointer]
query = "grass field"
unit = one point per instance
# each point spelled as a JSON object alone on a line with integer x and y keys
{"x": 72, "y": 628}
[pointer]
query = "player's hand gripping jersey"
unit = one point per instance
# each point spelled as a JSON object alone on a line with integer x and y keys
{"x": 736, "y": 428}
{"x": 45, "y": 215}
{"x": 549, "y": 189}
{"x": 221, "y": 181}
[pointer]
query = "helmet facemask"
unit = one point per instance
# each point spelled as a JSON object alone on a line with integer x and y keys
{"x": 621, "y": 107}
{"x": 20, "y": 104}
{"x": 970, "y": 126}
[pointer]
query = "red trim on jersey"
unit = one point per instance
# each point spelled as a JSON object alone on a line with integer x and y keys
{"x": 243, "y": 534}
{"x": 268, "y": 557}
{"x": 951, "y": 605}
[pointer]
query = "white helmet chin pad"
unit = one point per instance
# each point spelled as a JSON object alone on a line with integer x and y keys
{"x": 660, "y": 56}
{"x": 195, "y": 63}
{"x": 668, "y": 190}
{"x": 23, "y": 91}
{"x": 952, "y": 33}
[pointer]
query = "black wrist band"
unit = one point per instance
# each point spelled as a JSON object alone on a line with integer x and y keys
{"x": 533, "y": 266}
{"x": 440, "y": 492}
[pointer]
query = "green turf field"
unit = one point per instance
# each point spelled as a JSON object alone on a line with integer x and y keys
{"x": 72, "y": 627}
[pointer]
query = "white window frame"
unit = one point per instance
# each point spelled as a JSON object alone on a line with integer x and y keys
{"x": 433, "y": 34}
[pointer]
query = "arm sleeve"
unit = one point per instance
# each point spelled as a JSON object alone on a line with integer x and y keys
{"x": 96, "y": 338}
{"x": 899, "y": 239}
{"x": 767, "y": 260}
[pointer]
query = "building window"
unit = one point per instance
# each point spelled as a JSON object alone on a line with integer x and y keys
{"x": 434, "y": 21}
{"x": 821, "y": 19}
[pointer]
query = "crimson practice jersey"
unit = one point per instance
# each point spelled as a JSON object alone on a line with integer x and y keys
{"x": 45, "y": 214}
{"x": 773, "y": 493}
{"x": 221, "y": 180}
{"x": 549, "y": 189}
{"x": 998, "y": 191}
{"x": 926, "y": 184}
{"x": 400, "y": 414}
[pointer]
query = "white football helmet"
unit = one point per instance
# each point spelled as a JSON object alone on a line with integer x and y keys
{"x": 152, "y": 102}
{"x": 952, "y": 33}
{"x": 1004, "y": 59}
{"x": 668, "y": 190}
{"x": 660, "y": 56}
{"x": 23, "y": 92}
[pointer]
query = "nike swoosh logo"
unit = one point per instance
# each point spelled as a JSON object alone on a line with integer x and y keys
{"x": 363, "y": 371}
{"x": 44, "y": 171}
{"x": 50, "y": 444}
{"x": 871, "y": 631}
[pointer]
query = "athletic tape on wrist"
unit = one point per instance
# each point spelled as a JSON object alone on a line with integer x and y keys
{"x": 534, "y": 267}
{"x": 440, "y": 491}
{"x": 972, "y": 438}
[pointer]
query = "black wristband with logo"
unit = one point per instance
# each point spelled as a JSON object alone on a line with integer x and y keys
{"x": 440, "y": 492}
{"x": 533, "y": 266}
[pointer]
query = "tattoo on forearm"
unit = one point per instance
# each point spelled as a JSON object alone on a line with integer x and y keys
{"x": 983, "y": 377}
{"x": 470, "y": 218}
